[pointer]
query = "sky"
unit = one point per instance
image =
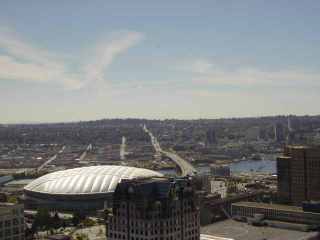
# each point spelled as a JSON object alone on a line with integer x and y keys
{"x": 85, "y": 60}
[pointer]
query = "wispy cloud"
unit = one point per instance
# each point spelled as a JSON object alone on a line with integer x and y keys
{"x": 20, "y": 60}
{"x": 201, "y": 66}
{"x": 257, "y": 77}
{"x": 105, "y": 54}
{"x": 206, "y": 72}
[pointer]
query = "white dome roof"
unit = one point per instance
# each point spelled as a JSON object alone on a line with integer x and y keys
{"x": 87, "y": 180}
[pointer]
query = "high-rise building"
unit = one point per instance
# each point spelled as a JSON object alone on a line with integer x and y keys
{"x": 279, "y": 132}
{"x": 263, "y": 134}
{"x": 157, "y": 209}
{"x": 11, "y": 221}
{"x": 293, "y": 124}
{"x": 293, "y": 136}
{"x": 299, "y": 174}
{"x": 211, "y": 137}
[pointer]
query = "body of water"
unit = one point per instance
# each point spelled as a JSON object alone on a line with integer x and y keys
{"x": 267, "y": 166}
{"x": 264, "y": 166}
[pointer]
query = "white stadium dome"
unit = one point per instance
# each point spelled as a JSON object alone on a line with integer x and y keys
{"x": 87, "y": 180}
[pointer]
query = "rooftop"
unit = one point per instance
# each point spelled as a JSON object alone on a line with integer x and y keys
{"x": 231, "y": 229}
{"x": 312, "y": 146}
{"x": 212, "y": 237}
{"x": 298, "y": 146}
{"x": 284, "y": 157}
{"x": 149, "y": 188}
{"x": 6, "y": 207}
{"x": 280, "y": 207}
{"x": 87, "y": 180}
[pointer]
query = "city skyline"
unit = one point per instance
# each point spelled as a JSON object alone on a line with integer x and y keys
{"x": 75, "y": 61}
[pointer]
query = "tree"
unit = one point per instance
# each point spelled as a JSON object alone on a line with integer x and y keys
{"x": 107, "y": 211}
{"x": 77, "y": 218}
{"x": 88, "y": 222}
{"x": 12, "y": 199}
{"x": 56, "y": 221}
{"x": 42, "y": 219}
{"x": 81, "y": 236}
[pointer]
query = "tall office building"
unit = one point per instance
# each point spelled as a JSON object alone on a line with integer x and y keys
{"x": 11, "y": 221}
{"x": 279, "y": 132}
{"x": 157, "y": 209}
{"x": 293, "y": 124}
{"x": 299, "y": 174}
{"x": 211, "y": 137}
{"x": 293, "y": 136}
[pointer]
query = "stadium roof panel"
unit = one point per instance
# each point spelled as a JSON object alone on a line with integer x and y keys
{"x": 87, "y": 180}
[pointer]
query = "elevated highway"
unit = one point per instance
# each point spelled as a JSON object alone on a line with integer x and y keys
{"x": 185, "y": 167}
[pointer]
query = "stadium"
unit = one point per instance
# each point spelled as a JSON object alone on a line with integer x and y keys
{"x": 85, "y": 188}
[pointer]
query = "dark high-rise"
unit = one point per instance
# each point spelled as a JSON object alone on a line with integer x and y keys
{"x": 279, "y": 132}
{"x": 299, "y": 174}
{"x": 154, "y": 209}
{"x": 211, "y": 137}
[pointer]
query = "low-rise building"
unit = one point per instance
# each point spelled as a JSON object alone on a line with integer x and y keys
{"x": 220, "y": 170}
{"x": 219, "y": 187}
{"x": 276, "y": 212}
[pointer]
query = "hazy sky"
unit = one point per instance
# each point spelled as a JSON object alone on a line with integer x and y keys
{"x": 81, "y": 60}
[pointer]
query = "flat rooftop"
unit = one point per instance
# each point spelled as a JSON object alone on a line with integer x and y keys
{"x": 284, "y": 157}
{"x": 212, "y": 237}
{"x": 5, "y": 207}
{"x": 280, "y": 207}
{"x": 231, "y": 229}
{"x": 299, "y": 146}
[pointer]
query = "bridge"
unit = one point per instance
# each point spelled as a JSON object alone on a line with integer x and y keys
{"x": 185, "y": 167}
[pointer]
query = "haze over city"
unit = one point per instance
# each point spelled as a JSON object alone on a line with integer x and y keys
{"x": 159, "y": 120}
{"x": 168, "y": 59}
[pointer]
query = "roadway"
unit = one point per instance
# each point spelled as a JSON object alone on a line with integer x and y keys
{"x": 185, "y": 167}
{"x": 123, "y": 149}
{"x": 84, "y": 154}
{"x": 50, "y": 159}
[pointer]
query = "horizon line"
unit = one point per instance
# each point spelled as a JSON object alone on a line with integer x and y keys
{"x": 157, "y": 119}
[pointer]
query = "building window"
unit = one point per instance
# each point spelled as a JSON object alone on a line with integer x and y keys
{"x": 7, "y": 223}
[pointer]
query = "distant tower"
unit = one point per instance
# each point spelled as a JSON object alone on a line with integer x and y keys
{"x": 263, "y": 134}
{"x": 279, "y": 133}
{"x": 293, "y": 124}
{"x": 290, "y": 124}
{"x": 211, "y": 137}
{"x": 293, "y": 129}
